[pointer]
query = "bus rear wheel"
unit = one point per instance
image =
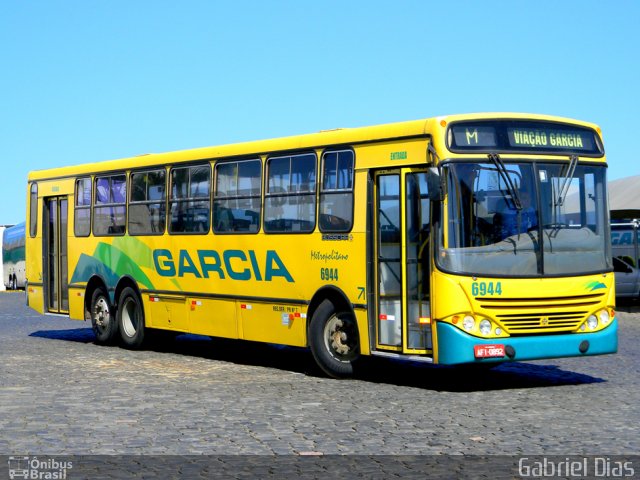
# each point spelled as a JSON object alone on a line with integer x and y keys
{"x": 103, "y": 321}
{"x": 131, "y": 319}
{"x": 334, "y": 340}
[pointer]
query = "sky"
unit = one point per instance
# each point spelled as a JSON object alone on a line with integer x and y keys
{"x": 91, "y": 80}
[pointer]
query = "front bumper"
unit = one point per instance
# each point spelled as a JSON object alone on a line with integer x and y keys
{"x": 456, "y": 346}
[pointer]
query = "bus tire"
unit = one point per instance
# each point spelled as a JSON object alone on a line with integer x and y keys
{"x": 131, "y": 319}
{"x": 334, "y": 340}
{"x": 103, "y": 321}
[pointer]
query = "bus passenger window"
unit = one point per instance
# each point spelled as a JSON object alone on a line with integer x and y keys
{"x": 82, "y": 215}
{"x": 33, "y": 210}
{"x": 189, "y": 203}
{"x": 110, "y": 211}
{"x": 236, "y": 200}
{"x": 290, "y": 204}
{"x": 147, "y": 211}
{"x": 336, "y": 196}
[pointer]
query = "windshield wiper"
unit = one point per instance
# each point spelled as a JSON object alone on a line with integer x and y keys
{"x": 511, "y": 188}
{"x": 566, "y": 180}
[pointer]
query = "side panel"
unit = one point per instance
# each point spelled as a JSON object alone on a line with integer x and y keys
{"x": 168, "y": 312}
{"x": 274, "y": 323}
{"x": 254, "y": 286}
{"x": 76, "y": 303}
{"x": 33, "y": 255}
{"x": 216, "y": 318}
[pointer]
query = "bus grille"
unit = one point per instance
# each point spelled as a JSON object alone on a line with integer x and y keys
{"x": 540, "y": 315}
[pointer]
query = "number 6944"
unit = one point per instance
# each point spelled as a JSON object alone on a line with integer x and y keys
{"x": 486, "y": 288}
{"x": 330, "y": 274}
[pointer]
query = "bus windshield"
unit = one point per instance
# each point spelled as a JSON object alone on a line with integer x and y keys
{"x": 523, "y": 219}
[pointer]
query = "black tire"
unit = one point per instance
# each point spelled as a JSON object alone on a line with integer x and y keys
{"x": 334, "y": 340}
{"x": 131, "y": 319}
{"x": 103, "y": 321}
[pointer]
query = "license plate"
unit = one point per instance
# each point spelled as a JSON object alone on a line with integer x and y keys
{"x": 488, "y": 351}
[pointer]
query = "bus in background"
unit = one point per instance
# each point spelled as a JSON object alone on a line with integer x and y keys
{"x": 445, "y": 240}
{"x": 626, "y": 258}
{"x": 13, "y": 250}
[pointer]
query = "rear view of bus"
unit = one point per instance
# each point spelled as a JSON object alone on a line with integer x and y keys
{"x": 522, "y": 241}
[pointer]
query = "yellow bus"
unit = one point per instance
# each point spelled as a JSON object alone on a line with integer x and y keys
{"x": 463, "y": 239}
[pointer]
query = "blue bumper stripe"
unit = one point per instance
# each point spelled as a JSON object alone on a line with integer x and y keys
{"x": 456, "y": 346}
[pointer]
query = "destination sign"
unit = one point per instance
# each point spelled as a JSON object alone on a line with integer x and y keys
{"x": 475, "y": 136}
{"x": 520, "y": 136}
{"x": 537, "y": 138}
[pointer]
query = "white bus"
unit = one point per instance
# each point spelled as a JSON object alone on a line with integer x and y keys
{"x": 626, "y": 258}
{"x": 13, "y": 257}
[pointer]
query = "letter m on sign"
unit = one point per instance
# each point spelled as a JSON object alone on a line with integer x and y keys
{"x": 472, "y": 135}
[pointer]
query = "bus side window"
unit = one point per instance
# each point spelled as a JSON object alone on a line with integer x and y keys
{"x": 33, "y": 210}
{"x": 236, "y": 199}
{"x": 147, "y": 211}
{"x": 336, "y": 195}
{"x": 290, "y": 204}
{"x": 109, "y": 211}
{"x": 189, "y": 203}
{"x": 82, "y": 214}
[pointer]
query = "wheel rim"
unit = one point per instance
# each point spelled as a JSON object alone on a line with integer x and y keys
{"x": 340, "y": 339}
{"x": 129, "y": 318}
{"x": 102, "y": 314}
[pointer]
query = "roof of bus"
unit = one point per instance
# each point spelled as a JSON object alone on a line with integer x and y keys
{"x": 338, "y": 136}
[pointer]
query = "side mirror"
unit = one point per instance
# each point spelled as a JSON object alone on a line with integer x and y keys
{"x": 434, "y": 184}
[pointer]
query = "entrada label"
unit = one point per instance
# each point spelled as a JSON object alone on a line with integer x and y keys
{"x": 236, "y": 264}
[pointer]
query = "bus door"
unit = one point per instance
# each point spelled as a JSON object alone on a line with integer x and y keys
{"x": 402, "y": 219}
{"x": 56, "y": 282}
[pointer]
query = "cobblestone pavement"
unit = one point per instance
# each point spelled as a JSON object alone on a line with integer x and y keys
{"x": 61, "y": 394}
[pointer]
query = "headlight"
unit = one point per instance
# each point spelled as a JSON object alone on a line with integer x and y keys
{"x": 485, "y": 326}
{"x": 468, "y": 323}
{"x": 604, "y": 317}
{"x": 592, "y": 322}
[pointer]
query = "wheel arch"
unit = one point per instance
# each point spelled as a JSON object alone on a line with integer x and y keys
{"x": 94, "y": 282}
{"x": 114, "y": 294}
{"x": 124, "y": 282}
{"x": 334, "y": 295}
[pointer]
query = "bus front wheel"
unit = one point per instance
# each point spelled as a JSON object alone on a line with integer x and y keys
{"x": 334, "y": 341}
{"x": 131, "y": 319}
{"x": 103, "y": 321}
